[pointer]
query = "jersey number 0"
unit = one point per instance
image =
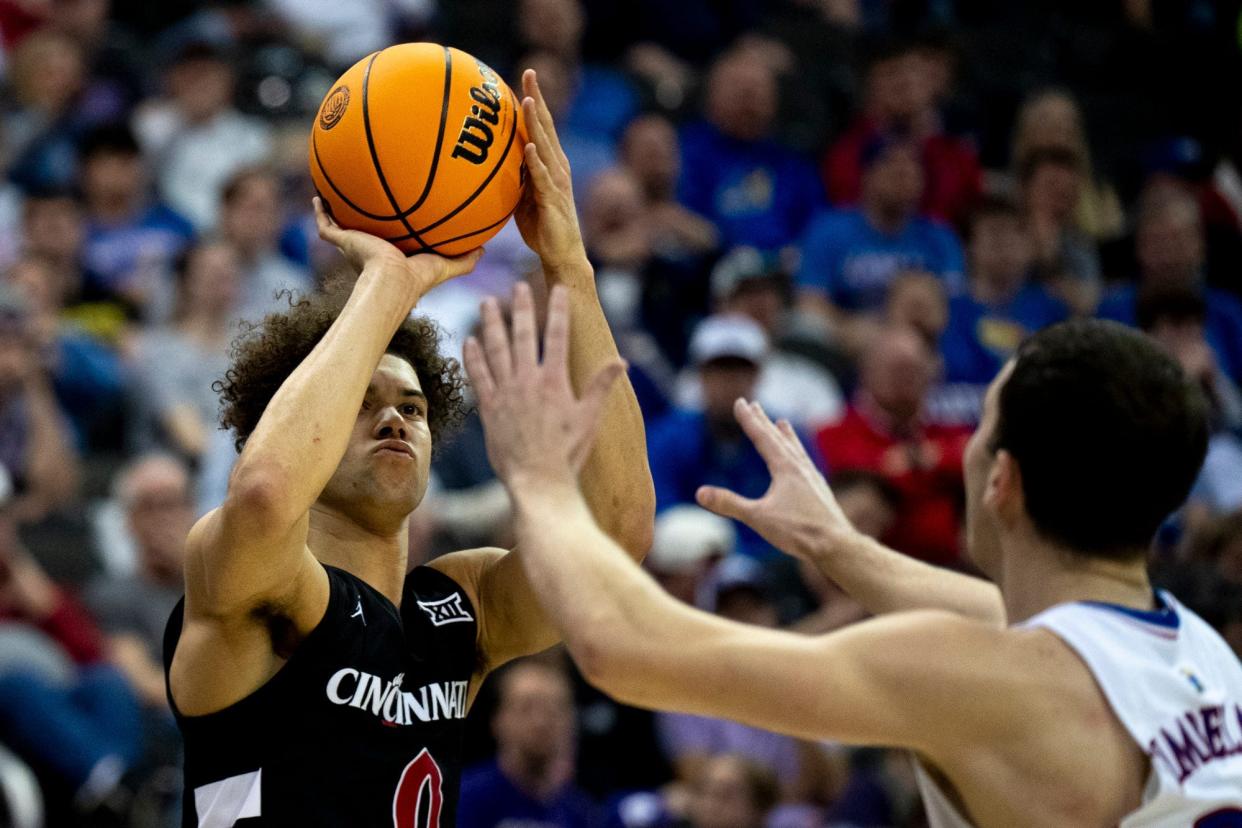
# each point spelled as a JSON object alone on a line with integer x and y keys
{"x": 420, "y": 794}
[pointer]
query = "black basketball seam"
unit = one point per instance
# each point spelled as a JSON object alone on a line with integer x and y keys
{"x": 499, "y": 162}
{"x": 507, "y": 216}
{"x": 379, "y": 172}
{"x": 435, "y": 155}
{"x": 337, "y": 190}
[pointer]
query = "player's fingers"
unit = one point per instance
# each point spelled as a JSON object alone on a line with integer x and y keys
{"x": 759, "y": 429}
{"x": 525, "y": 347}
{"x": 549, "y": 153}
{"x": 792, "y": 440}
{"x": 538, "y": 170}
{"x": 455, "y": 266}
{"x": 724, "y": 502}
{"x": 328, "y": 229}
{"x": 477, "y": 370}
{"x": 543, "y": 118}
{"x": 556, "y": 332}
{"x": 496, "y": 341}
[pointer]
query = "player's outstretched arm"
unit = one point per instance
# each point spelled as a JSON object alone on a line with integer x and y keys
{"x": 639, "y": 644}
{"x": 253, "y": 548}
{"x": 800, "y": 516}
{"x": 616, "y": 480}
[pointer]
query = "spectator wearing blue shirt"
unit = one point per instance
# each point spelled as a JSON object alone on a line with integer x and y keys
{"x": 1171, "y": 254}
{"x": 851, "y": 257}
{"x": 86, "y": 375}
{"x": 131, "y": 241}
{"x": 757, "y": 192}
{"x": 688, "y": 449}
{"x": 1002, "y": 306}
{"x": 530, "y": 782}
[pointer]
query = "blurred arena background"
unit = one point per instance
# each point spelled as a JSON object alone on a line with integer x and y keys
{"x": 853, "y": 209}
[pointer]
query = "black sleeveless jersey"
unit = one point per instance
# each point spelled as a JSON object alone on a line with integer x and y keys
{"x": 362, "y": 726}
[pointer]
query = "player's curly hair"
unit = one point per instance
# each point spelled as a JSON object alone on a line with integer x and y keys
{"x": 266, "y": 352}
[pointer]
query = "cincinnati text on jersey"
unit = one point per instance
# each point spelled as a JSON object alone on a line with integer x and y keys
{"x": 429, "y": 703}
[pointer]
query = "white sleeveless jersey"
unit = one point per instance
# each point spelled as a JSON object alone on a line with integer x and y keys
{"x": 1176, "y": 687}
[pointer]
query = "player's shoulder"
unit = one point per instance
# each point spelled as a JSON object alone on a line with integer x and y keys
{"x": 454, "y": 572}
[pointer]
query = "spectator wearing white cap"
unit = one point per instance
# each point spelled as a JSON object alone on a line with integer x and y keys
{"x": 689, "y": 541}
{"x": 748, "y": 283}
{"x": 692, "y": 447}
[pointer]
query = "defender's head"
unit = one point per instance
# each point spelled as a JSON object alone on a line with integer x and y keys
{"x": 1090, "y": 437}
{"x": 414, "y": 395}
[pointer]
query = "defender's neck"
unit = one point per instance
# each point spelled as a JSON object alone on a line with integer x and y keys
{"x": 1036, "y": 575}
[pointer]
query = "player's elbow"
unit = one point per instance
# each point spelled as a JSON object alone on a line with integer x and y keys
{"x": 258, "y": 497}
{"x": 635, "y": 531}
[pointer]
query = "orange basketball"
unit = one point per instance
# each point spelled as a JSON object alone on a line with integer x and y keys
{"x": 422, "y": 145}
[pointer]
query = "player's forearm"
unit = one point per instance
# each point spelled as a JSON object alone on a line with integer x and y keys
{"x": 616, "y": 480}
{"x": 883, "y": 580}
{"x": 304, "y": 430}
{"x": 601, "y": 602}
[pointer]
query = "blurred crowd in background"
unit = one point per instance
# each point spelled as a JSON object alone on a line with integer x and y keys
{"x": 853, "y": 210}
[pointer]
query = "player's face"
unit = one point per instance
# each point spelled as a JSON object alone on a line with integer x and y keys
{"x": 383, "y": 474}
{"x": 982, "y": 538}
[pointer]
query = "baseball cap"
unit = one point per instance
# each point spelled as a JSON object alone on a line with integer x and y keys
{"x": 738, "y": 572}
{"x": 728, "y": 335}
{"x": 686, "y": 536}
{"x": 740, "y": 265}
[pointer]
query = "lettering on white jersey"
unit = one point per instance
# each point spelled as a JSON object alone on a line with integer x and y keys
{"x": 1198, "y": 737}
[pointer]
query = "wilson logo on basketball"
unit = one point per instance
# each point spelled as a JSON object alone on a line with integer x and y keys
{"x": 334, "y": 107}
{"x": 476, "y": 135}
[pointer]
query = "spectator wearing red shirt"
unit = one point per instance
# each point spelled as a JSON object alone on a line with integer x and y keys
{"x": 900, "y": 99}
{"x": 28, "y": 596}
{"x": 884, "y": 432}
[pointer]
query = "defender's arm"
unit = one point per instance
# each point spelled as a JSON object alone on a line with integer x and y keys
{"x": 897, "y": 681}
{"x": 800, "y": 516}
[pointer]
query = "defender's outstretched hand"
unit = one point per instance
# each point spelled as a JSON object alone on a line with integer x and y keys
{"x": 537, "y": 431}
{"x": 546, "y": 215}
{"x": 798, "y": 513}
{"x": 362, "y": 249}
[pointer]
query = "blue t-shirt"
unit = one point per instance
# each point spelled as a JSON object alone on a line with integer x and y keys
{"x": 113, "y": 253}
{"x": 853, "y": 263}
{"x": 604, "y": 102}
{"x": 489, "y": 799}
{"x": 980, "y": 338}
{"x": 684, "y": 456}
{"x": 1222, "y": 328}
{"x": 758, "y": 193}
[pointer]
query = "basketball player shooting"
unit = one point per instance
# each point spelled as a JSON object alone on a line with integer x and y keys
{"x": 314, "y": 681}
{"x": 1072, "y": 695}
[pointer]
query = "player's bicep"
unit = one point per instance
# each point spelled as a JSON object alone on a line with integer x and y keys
{"x": 511, "y": 622}
{"x": 896, "y": 681}
{"x": 230, "y": 570}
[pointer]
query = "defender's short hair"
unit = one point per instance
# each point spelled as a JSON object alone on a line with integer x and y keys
{"x": 1107, "y": 432}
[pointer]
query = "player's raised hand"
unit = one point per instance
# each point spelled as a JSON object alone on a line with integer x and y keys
{"x": 546, "y": 215}
{"x": 798, "y": 513}
{"x": 363, "y": 249}
{"x": 537, "y": 430}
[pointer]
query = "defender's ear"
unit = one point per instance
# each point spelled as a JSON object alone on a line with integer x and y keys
{"x": 1003, "y": 493}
